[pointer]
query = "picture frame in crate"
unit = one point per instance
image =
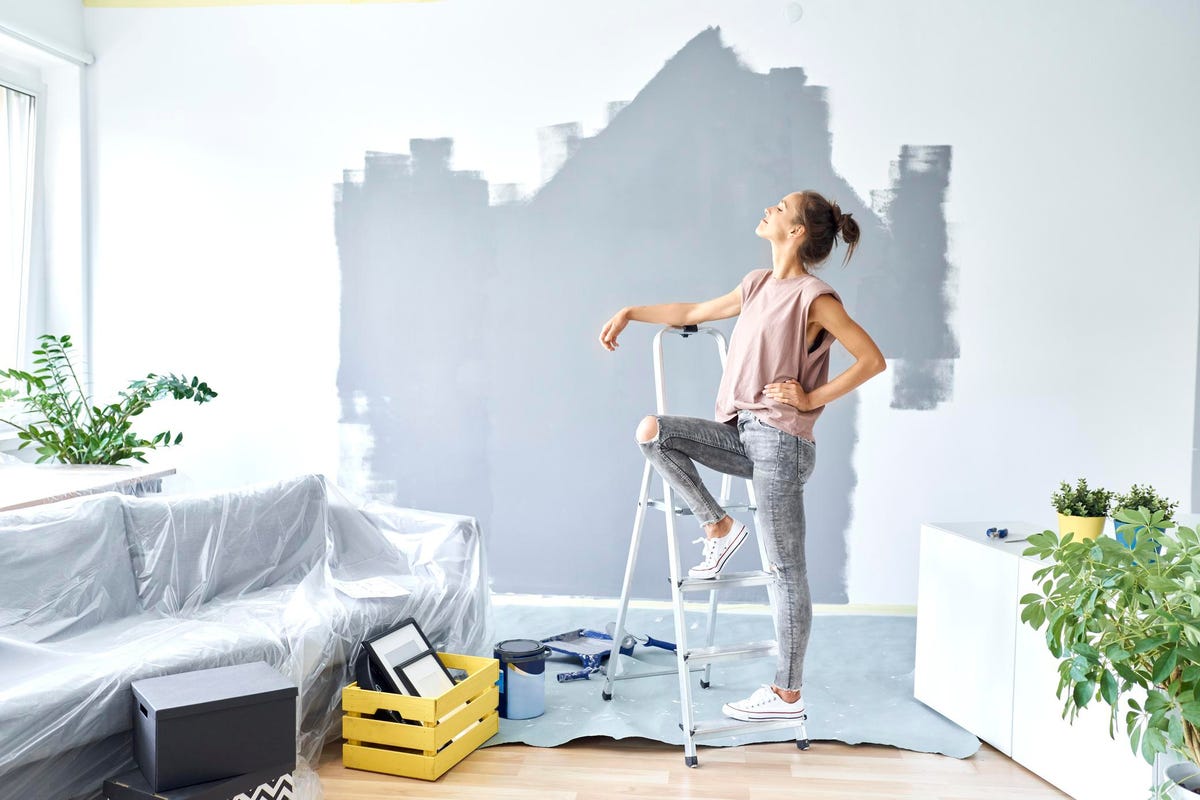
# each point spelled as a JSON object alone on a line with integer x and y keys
{"x": 408, "y": 661}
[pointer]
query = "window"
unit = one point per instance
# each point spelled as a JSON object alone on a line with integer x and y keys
{"x": 43, "y": 269}
{"x": 17, "y": 148}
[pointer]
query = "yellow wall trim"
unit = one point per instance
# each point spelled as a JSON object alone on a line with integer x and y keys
{"x": 210, "y": 3}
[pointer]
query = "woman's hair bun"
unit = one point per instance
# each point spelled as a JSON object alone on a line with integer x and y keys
{"x": 847, "y": 226}
{"x": 814, "y": 207}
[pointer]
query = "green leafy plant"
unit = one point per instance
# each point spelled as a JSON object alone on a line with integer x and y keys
{"x": 1145, "y": 497}
{"x": 67, "y": 426}
{"x": 1120, "y": 620}
{"x": 1080, "y": 500}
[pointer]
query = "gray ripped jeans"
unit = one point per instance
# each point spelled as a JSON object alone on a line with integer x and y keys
{"x": 779, "y": 464}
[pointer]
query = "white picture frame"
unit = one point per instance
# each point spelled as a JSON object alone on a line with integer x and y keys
{"x": 426, "y": 675}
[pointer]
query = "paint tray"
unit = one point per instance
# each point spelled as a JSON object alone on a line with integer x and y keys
{"x": 590, "y": 647}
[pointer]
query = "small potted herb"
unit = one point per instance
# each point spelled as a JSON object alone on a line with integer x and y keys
{"x": 1081, "y": 510}
{"x": 1140, "y": 497}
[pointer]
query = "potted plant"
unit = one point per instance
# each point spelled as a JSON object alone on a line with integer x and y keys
{"x": 66, "y": 426}
{"x": 1140, "y": 497}
{"x": 1081, "y": 510}
{"x": 1118, "y": 624}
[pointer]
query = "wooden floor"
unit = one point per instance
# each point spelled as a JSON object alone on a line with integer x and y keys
{"x": 638, "y": 769}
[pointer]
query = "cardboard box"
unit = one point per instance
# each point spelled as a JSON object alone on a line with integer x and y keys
{"x": 206, "y": 725}
{"x": 271, "y": 783}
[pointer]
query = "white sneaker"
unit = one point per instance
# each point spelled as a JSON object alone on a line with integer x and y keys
{"x": 764, "y": 704}
{"x": 717, "y": 550}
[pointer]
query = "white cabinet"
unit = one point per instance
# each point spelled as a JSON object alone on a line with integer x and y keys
{"x": 965, "y": 597}
{"x": 980, "y": 666}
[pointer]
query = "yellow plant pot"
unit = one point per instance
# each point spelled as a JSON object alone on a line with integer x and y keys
{"x": 1082, "y": 527}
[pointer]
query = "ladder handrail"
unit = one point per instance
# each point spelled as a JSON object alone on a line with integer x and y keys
{"x": 660, "y": 389}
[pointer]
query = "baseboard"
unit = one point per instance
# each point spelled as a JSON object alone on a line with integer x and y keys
{"x": 503, "y": 599}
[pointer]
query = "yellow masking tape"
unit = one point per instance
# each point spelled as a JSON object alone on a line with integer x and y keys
{"x": 211, "y": 3}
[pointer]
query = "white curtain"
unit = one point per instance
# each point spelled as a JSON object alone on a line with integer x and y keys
{"x": 16, "y": 202}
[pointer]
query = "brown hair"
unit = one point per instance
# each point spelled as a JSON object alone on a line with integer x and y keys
{"x": 823, "y": 221}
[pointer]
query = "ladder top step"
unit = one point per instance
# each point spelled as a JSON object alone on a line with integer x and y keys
{"x": 685, "y": 511}
{"x": 731, "y": 652}
{"x": 728, "y": 580}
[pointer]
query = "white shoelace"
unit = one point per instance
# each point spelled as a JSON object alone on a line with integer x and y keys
{"x": 710, "y": 547}
{"x": 761, "y": 697}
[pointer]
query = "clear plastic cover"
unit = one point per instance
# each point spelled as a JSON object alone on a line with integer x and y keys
{"x": 102, "y": 590}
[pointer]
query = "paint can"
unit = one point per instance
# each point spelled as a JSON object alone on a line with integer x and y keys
{"x": 522, "y": 678}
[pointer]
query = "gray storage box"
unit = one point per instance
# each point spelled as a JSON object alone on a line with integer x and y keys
{"x": 210, "y": 724}
{"x": 272, "y": 783}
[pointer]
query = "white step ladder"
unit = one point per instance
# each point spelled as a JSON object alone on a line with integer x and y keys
{"x": 689, "y": 659}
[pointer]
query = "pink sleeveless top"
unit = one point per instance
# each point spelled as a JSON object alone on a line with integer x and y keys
{"x": 767, "y": 346}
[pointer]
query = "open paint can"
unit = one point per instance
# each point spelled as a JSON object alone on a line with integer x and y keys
{"x": 522, "y": 678}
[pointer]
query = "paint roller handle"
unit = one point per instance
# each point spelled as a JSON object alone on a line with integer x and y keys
{"x": 579, "y": 674}
{"x": 652, "y": 642}
{"x": 646, "y": 640}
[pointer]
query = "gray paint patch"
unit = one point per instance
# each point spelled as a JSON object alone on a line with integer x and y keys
{"x": 415, "y": 250}
{"x": 906, "y": 298}
{"x": 557, "y": 144}
{"x": 471, "y": 376}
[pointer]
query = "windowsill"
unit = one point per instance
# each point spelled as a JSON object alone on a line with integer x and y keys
{"x": 8, "y": 434}
{"x": 25, "y": 485}
{"x": 9, "y": 441}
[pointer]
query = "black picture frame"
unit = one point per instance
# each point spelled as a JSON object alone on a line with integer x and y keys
{"x": 403, "y": 645}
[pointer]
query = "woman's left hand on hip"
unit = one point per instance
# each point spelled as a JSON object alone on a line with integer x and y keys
{"x": 789, "y": 392}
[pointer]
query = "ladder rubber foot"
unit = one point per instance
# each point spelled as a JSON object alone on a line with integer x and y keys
{"x": 606, "y": 695}
{"x": 704, "y": 684}
{"x": 691, "y": 761}
{"x": 802, "y": 744}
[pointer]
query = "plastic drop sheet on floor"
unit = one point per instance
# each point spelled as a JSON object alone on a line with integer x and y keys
{"x": 858, "y": 681}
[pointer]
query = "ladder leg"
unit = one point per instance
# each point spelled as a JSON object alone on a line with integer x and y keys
{"x": 634, "y": 543}
{"x": 681, "y": 647}
{"x": 706, "y": 681}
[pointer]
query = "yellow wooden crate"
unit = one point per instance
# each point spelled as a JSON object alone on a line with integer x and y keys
{"x": 465, "y": 716}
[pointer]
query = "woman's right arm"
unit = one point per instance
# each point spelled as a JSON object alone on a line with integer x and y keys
{"x": 675, "y": 314}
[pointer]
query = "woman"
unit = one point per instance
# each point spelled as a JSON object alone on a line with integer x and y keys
{"x": 775, "y": 385}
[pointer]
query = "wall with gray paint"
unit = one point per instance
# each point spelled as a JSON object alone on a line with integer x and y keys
{"x": 426, "y": 330}
{"x": 660, "y": 205}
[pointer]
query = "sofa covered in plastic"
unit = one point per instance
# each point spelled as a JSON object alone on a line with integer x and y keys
{"x": 102, "y": 590}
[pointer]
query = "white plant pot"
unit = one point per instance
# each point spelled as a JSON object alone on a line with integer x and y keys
{"x": 1187, "y": 781}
